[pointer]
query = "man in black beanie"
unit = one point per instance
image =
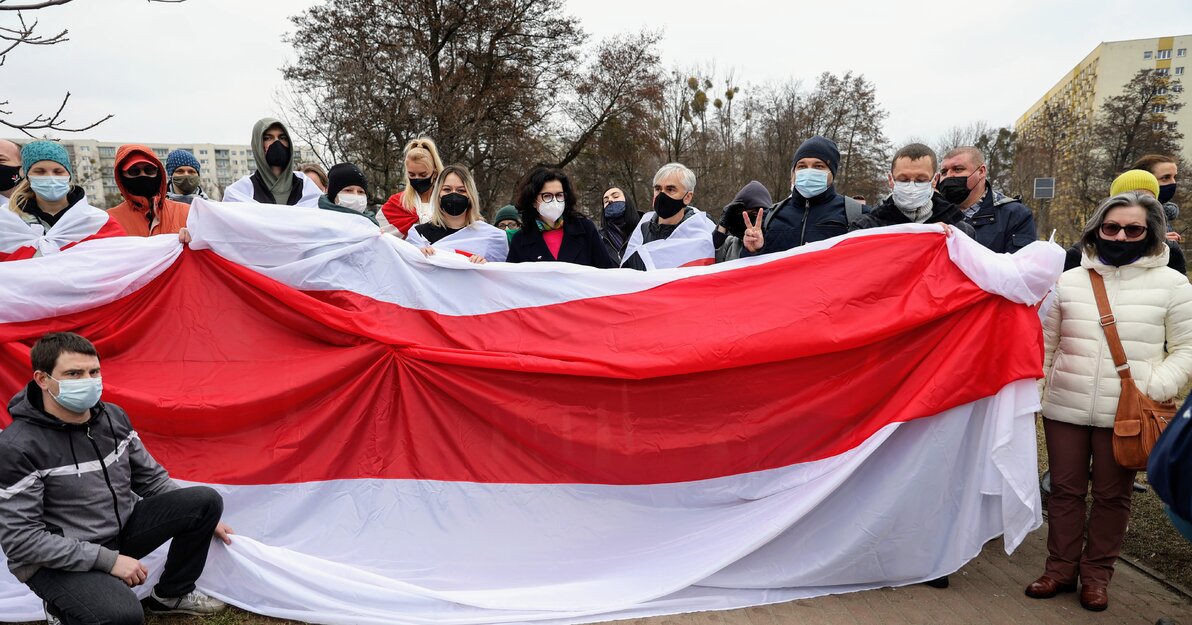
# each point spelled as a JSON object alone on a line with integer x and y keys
{"x": 813, "y": 211}
{"x": 347, "y": 192}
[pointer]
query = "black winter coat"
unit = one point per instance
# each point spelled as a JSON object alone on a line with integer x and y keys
{"x": 581, "y": 245}
{"x": 799, "y": 221}
{"x": 629, "y": 221}
{"x": 1003, "y": 224}
{"x": 887, "y": 214}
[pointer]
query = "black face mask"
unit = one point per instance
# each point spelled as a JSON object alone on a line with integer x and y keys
{"x": 614, "y": 210}
{"x": 666, "y": 206}
{"x": 455, "y": 204}
{"x": 1166, "y": 192}
{"x": 144, "y": 186}
{"x": 278, "y": 154}
{"x": 422, "y": 185}
{"x": 10, "y": 174}
{"x": 1118, "y": 253}
{"x": 954, "y": 189}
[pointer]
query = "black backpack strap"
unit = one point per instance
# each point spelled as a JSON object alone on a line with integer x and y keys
{"x": 770, "y": 215}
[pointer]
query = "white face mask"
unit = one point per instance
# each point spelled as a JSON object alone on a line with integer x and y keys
{"x": 551, "y": 211}
{"x": 912, "y": 195}
{"x": 352, "y": 201}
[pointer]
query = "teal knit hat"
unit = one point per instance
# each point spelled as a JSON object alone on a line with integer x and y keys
{"x": 44, "y": 151}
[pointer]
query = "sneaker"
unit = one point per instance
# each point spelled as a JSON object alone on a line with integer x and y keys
{"x": 50, "y": 618}
{"x": 193, "y": 602}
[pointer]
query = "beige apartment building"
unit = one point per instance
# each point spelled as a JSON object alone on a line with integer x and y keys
{"x": 1111, "y": 65}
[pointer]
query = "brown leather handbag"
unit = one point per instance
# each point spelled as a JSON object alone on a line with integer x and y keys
{"x": 1139, "y": 420}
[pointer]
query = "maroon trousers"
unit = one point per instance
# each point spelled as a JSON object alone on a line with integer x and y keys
{"x": 1071, "y": 553}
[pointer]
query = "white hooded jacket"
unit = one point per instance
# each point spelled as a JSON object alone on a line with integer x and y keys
{"x": 1152, "y": 305}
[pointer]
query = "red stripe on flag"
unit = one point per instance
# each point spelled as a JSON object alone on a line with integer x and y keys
{"x": 21, "y": 253}
{"x": 111, "y": 228}
{"x": 231, "y": 377}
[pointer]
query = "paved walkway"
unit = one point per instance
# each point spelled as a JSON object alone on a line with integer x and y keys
{"x": 986, "y": 591}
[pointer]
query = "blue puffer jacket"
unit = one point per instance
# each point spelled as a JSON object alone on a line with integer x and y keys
{"x": 799, "y": 221}
{"x": 1003, "y": 224}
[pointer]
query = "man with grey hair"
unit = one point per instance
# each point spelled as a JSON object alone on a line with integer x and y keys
{"x": 1003, "y": 224}
{"x": 674, "y": 234}
{"x": 10, "y": 169}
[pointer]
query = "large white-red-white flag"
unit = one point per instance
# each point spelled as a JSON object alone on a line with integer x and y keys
{"x": 402, "y": 439}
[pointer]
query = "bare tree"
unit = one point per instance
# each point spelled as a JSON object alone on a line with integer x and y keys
{"x": 623, "y": 80}
{"x": 25, "y": 32}
{"x": 499, "y": 85}
{"x": 958, "y": 136}
{"x": 477, "y": 76}
{"x": 1040, "y": 153}
{"x": 1135, "y": 121}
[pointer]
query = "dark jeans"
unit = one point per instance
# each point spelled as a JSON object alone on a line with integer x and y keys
{"x": 1074, "y": 551}
{"x": 187, "y": 515}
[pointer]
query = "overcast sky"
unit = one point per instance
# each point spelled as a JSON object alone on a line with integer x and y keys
{"x": 205, "y": 70}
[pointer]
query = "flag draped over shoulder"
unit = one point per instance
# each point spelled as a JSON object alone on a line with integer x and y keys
{"x": 82, "y": 222}
{"x": 402, "y": 439}
{"x": 689, "y": 245}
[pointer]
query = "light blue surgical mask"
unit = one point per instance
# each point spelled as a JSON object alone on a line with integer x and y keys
{"x": 50, "y": 188}
{"x": 78, "y": 395}
{"x": 811, "y": 182}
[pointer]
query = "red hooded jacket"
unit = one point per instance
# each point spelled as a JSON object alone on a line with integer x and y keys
{"x": 168, "y": 216}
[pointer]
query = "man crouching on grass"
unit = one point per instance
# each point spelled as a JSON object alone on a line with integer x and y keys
{"x": 81, "y": 500}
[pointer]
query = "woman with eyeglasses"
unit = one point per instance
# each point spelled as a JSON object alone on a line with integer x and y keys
{"x": 422, "y": 167}
{"x": 1123, "y": 243}
{"x": 456, "y": 224}
{"x": 552, "y": 228}
{"x": 146, "y": 209}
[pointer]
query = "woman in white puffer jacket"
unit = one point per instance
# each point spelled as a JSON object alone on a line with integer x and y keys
{"x": 1152, "y": 304}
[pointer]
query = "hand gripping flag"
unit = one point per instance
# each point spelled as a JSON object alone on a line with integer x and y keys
{"x": 402, "y": 439}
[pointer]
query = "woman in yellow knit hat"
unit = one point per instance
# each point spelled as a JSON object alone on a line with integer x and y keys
{"x": 1144, "y": 182}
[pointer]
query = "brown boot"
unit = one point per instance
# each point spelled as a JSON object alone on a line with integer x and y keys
{"x": 1046, "y": 588}
{"x": 1094, "y": 598}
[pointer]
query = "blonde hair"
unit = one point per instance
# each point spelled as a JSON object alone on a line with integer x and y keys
{"x": 22, "y": 194}
{"x": 421, "y": 150}
{"x": 473, "y": 215}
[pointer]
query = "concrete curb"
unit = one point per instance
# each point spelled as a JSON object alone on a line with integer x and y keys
{"x": 1158, "y": 577}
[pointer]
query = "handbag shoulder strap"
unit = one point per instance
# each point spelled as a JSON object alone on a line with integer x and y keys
{"x": 1109, "y": 325}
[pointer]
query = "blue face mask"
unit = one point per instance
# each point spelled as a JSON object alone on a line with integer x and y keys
{"x": 78, "y": 395}
{"x": 614, "y": 210}
{"x": 50, "y": 188}
{"x": 811, "y": 182}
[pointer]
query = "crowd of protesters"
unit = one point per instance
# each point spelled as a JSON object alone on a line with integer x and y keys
{"x": 1129, "y": 243}
{"x": 438, "y": 206}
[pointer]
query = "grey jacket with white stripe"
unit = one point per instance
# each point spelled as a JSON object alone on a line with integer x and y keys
{"x": 67, "y": 490}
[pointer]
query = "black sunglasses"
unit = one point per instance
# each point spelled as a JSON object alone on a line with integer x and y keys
{"x": 1133, "y": 231}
